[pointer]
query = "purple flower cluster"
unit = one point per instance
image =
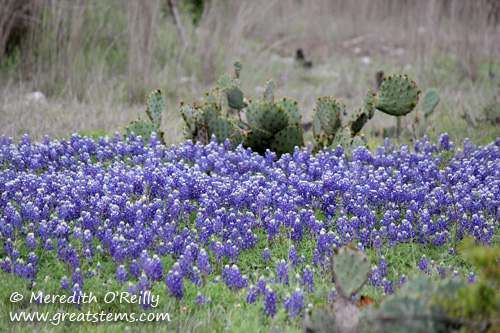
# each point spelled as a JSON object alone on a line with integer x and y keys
{"x": 202, "y": 206}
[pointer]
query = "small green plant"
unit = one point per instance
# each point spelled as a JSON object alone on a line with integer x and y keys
{"x": 492, "y": 111}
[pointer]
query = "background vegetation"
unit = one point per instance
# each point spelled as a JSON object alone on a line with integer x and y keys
{"x": 97, "y": 60}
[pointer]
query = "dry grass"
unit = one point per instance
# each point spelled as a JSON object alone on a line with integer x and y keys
{"x": 97, "y": 60}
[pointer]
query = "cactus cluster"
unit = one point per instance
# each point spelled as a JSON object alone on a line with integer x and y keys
{"x": 261, "y": 124}
{"x": 155, "y": 105}
{"x": 398, "y": 96}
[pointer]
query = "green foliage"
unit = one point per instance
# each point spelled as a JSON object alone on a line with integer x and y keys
{"x": 329, "y": 111}
{"x": 492, "y": 111}
{"x": 155, "y": 105}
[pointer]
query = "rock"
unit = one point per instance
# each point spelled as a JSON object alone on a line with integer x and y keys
{"x": 36, "y": 98}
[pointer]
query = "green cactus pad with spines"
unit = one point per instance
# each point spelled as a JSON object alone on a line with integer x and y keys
{"x": 270, "y": 90}
{"x": 271, "y": 117}
{"x": 218, "y": 97}
{"x": 287, "y": 139}
{"x": 359, "y": 120}
{"x": 492, "y": 111}
{"x": 262, "y": 134}
{"x": 369, "y": 103}
{"x": 431, "y": 100}
{"x": 351, "y": 269}
{"x": 236, "y": 138}
{"x": 316, "y": 125}
{"x": 234, "y": 97}
{"x": 342, "y": 138}
{"x": 144, "y": 129}
{"x": 156, "y": 104}
{"x": 221, "y": 127}
{"x": 250, "y": 113}
{"x": 358, "y": 141}
{"x": 291, "y": 107}
{"x": 225, "y": 81}
{"x": 210, "y": 112}
{"x": 192, "y": 116}
{"x": 398, "y": 95}
{"x": 329, "y": 111}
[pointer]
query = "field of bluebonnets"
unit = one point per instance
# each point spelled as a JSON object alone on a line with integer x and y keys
{"x": 225, "y": 225}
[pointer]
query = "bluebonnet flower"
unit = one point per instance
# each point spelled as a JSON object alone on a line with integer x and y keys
{"x": 252, "y": 294}
{"x": 200, "y": 299}
{"x": 295, "y": 303}
{"x": 332, "y": 294}
{"x": 266, "y": 255}
{"x": 174, "y": 282}
{"x": 308, "y": 279}
{"x": 270, "y": 303}
{"x": 121, "y": 274}
{"x": 78, "y": 278}
{"x": 134, "y": 269}
{"x": 423, "y": 264}
{"x": 76, "y": 293}
{"x": 293, "y": 256}
{"x": 402, "y": 281}
{"x": 282, "y": 271}
{"x": 471, "y": 277}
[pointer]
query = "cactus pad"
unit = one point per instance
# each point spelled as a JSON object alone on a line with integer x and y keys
{"x": 221, "y": 127}
{"x": 234, "y": 97}
{"x": 291, "y": 107}
{"x": 342, "y": 138}
{"x": 192, "y": 116}
{"x": 237, "y": 68}
{"x": 144, "y": 129}
{"x": 287, "y": 139}
{"x": 236, "y": 138}
{"x": 209, "y": 112}
{"x": 270, "y": 90}
{"x": 225, "y": 81}
{"x": 398, "y": 95}
{"x": 271, "y": 117}
{"x": 156, "y": 104}
{"x": 369, "y": 103}
{"x": 329, "y": 112}
{"x": 359, "y": 120}
{"x": 350, "y": 269}
{"x": 431, "y": 100}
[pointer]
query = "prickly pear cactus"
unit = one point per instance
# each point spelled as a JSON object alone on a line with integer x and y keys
{"x": 287, "y": 139}
{"x": 144, "y": 129}
{"x": 269, "y": 116}
{"x": 369, "y": 103}
{"x": 222, "y": 128}
{"x": 359, "y": 120}
{"x": 398, "y": 95}
{"x": 350, "y": 268}
{"x": 329, "y": 112}
{"x": 466, "y": 113}
{"x": 155, "y": 105}
{"x": 342, "y": 138}
{"x": 492, "y": 111}
{"x": 270, "y": 90}
{"x": 235, "y": 97}
{"x": 431, "y": 100}
{"x": 291, "y": 107}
